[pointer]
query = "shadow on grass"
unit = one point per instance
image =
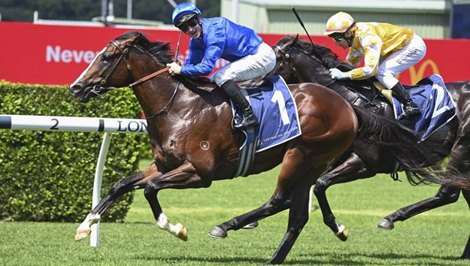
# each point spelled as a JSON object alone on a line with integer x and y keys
{"x": 327, "y": 258}
{"x": 140, "y": 222}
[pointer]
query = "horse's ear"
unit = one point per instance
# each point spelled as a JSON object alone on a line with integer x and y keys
{"x": 296, "y": 39}
{"x": 166, "y": 46}
{"x": 137, "y": 38}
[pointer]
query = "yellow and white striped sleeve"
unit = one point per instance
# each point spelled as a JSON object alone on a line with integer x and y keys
{"x": 371, "y": 44}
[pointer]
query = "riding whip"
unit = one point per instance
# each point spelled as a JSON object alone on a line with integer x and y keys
{"x": 177, "y": 47}
{"x": 305, "y": 29}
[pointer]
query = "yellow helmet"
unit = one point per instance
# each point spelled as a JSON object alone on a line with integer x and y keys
{"x": 339, "y": 23}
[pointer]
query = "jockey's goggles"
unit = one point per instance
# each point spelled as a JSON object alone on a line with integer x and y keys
{"x": 340, "y": 36}
{"x": 337, "y": 36}
{"x": 191, "y": 22}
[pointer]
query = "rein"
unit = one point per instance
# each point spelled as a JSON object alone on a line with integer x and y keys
{"x": 287, "y": 58}
{"x": 124, "y": 52}
{"x": 152, "y": 75}
{"x": 166, "y": 108}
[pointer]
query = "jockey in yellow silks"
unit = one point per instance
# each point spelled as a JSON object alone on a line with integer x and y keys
{"x": 387, "y": 51}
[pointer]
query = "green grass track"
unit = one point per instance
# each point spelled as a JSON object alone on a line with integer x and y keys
{"x": 437, "y": 237}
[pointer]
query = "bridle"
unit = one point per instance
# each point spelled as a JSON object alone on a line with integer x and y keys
{"x": 123, "y": 55}
{"x": 285, "y": 57}
{"x": 124, "y": 52}
{"x": 284, "y": 51}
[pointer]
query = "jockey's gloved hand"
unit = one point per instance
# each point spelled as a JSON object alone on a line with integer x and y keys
{"x": 174, "y": 68}
{"x": 338, "y": 74}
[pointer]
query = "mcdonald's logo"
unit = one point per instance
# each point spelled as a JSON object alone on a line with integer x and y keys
{"x": 416, "y": 76}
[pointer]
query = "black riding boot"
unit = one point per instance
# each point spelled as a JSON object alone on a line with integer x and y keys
{"x": 233, "y": 91}
{"x": 410, "y": 109}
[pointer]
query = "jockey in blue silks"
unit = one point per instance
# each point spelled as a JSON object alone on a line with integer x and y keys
{"x": 218, "y": 37}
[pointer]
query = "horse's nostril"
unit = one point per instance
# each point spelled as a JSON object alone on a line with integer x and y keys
{"x": 75, "y": 87}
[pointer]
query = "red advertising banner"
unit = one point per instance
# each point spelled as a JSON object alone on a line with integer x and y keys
{"x": 57, "y": 54}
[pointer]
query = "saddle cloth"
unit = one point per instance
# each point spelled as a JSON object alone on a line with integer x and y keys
{"x": 276, "y": 111}
{"x": 435, "y": 102}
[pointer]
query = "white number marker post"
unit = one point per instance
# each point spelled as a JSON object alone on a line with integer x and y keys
{"x": 79, "y": 124}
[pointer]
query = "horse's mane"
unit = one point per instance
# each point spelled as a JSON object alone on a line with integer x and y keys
{"x": 160, "y": 50}
{"x": 328, "y": 57}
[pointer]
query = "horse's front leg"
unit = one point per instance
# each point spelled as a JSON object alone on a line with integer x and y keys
{"x": 185, "y": 176}
{"x": 351, "y": 169}
{"x": 133, "y": 182}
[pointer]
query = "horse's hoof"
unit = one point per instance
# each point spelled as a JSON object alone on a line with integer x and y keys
{"x": 82, "y": 233}
{"x": 182, "y": 232}
{"x": 252, "y": 225}
{"x": 275, "y": 261}
{"x": 343, "y": 232}
{"x": 218, "y": 232}
{"x": 386, "y": 224}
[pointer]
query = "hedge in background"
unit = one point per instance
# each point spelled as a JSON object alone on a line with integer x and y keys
{"x": 48, "y": 176}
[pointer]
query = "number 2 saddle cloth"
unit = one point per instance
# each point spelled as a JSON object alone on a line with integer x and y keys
{"x": 435, "y": 102}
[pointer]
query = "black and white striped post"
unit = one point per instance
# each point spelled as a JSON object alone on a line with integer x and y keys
{"x": 79, "y": 124}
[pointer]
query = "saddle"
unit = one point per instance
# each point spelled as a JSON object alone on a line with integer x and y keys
{"x": 201, "y": 83}
{"x": 273, "y": 130}
{"x": 431, "y": 96}
{"x": 278, "y": 123}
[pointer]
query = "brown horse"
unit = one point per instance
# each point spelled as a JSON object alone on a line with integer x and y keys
{"x": 300, "y": 61}
{"x": 193, "y": 142}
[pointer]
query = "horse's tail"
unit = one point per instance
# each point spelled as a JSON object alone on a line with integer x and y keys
{"x": 420, "y": 160}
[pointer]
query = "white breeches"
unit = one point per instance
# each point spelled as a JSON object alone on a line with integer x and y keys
{"x": 248, "y": 67}
{"x": 400, "y": 61}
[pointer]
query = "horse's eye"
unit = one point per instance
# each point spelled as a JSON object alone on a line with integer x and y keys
{"x": 106, "y": 57}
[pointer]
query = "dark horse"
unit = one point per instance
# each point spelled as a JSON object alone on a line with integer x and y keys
{"x": 193, "y": 143}
{"x": 300, "y": 61}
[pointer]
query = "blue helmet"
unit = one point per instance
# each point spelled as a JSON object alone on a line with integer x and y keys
{"x": 182, "y": 10}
